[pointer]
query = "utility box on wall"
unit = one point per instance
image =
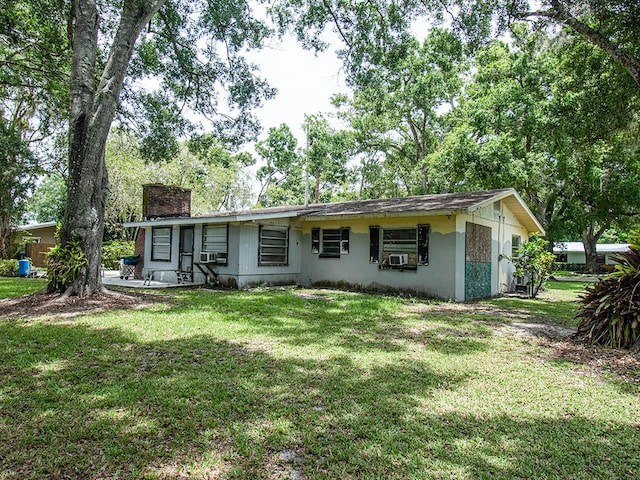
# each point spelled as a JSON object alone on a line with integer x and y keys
{"x": 165, "y": 201}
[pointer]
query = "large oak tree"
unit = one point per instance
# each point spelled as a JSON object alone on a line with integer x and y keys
{"x": 191, "y": 50}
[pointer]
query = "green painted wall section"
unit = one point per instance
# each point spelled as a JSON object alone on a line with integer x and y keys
{"x": 477, "y": 280}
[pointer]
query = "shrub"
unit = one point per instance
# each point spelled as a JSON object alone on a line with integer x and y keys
{"x": 609, "y": 313}
{"x": 65, "y": 263}
{"x": 113, "y": 251}
{"x": 533, "y": 261}
{"x": 9, "y": 268}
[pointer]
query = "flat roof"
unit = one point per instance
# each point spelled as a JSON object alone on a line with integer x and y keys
{"x": 35, "y": 226}
{"x": 575, "y": 247}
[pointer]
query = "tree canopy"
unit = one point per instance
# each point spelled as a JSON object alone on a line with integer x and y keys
{"x": 369, "y": 29}
{"x": 553, "y": 113}
{"x": 191, "y": 50}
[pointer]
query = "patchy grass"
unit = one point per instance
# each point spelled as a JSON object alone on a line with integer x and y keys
{"x": 555, "y": 304}
{"x": 16, "y": 286}
{"x": 305, "y": 384}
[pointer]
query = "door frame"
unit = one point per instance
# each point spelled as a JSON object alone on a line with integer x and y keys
{"x": 186, "y": 253}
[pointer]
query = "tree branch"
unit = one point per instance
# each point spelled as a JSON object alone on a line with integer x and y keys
{"x": 558, "y": 13}
{"x": 336, "y": 22}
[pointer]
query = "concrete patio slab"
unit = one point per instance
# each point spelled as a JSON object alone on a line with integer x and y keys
{"x": 112, "y": 278}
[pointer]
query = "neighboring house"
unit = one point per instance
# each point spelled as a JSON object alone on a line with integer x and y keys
{"x": 449, "y": 246}
{"x": 36, "y": 239}
{"x": 573, "y": 252}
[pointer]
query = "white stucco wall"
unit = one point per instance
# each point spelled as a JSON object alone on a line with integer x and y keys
{"x": 159, "y": 265}
{"x": 503, "y": 225}
{"x": 250, "y": 272}
{"x": 443, "y": 277}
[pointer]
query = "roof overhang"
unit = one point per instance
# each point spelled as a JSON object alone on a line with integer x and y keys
{"x": 35, "y": 226}
{"x": 509, "y": 197}
{"x": 410, "y": 213}
{"x": 234, "y": 218}
{"x": 514, "y": 202}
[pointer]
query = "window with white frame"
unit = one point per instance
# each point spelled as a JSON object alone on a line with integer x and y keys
{"x": 161, "y": 244}
{"x": 273, "y": 246}
{"x": 330, "y": 242}
{"x": 214, "y": 240}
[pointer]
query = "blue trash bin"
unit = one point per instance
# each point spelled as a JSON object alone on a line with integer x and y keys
{"x": 24, "y": 266}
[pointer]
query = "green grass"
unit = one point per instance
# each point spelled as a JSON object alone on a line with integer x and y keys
{"x": 16, "y": 286}
{"x": 304, "y": 384}
{"x": 555, "y": 304}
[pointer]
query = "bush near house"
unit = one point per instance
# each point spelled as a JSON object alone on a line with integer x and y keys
{"x": 610, "y": 310}
{"x": 113, "y": 251}
{"x": 9, "y": 268}
{"x": 533, "y": 262}
{"x": 579, "y": 267}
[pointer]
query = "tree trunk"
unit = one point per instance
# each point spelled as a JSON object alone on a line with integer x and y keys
{"x": 5, "y": 235}
{"x": 92, "y": 109}
{"x": 316, "y": 193}
{"x": 590, "y": 239}
{"x": 590, "y": 255}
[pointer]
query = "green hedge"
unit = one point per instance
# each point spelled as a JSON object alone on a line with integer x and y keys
{"x": 113, "y": 251}
{"x": 9, "y": 268}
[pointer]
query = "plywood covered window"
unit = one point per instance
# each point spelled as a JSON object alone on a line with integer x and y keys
{"x": 374, "y": 244}
{"x": 516, "y": 243}
{"x": 315, "y": 240}
{"x": 161, "y": 244}
{"x": 274, "y": 246}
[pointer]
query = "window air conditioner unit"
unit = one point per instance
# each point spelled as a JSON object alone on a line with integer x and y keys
{"x": 398, "y": 259}
{"x": 207, "y": 257}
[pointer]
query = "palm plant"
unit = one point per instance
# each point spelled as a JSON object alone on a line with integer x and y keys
{"x": 609, "y": 313}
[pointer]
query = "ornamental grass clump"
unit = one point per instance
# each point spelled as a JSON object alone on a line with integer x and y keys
{"x": 609, "y": 313}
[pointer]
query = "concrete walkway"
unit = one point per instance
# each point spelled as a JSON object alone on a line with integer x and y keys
{"x": 112, "y": 278}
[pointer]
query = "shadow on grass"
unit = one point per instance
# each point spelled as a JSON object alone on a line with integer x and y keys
{"x": 556, "y": 304}
{"x": 355, "y": 322}
{"x": 79, "y": 402}
{"x": 533, "y": 310}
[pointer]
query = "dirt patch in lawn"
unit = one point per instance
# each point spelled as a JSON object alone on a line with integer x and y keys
{"x": 51, "y": 305}
{"x": 596, "y": 360}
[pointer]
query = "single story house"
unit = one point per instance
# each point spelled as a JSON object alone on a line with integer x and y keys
{"x": 573, "y": 252}
{"x": 36, "y": 239}
{"x": 449, "y": 246}
{"x": 36, "y": 233}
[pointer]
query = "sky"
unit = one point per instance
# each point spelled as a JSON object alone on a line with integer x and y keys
{"x": 305, "y": 82}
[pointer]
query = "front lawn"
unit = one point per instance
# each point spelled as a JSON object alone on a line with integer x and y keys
{"x": 17, "y": 286}
{"x": 555, "y": 304}
{"x": 292, "y": 383}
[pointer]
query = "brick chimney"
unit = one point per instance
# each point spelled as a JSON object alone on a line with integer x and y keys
{"x": 164, "y": 201}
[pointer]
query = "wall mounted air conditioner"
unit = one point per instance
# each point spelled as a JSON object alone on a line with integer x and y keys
{"x": 398, "y": 259}
{"x": 207, "y": 257}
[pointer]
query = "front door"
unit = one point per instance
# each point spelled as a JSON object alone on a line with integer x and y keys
{"x": 186, "y": 253}
{"x": 477, "y": 271}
